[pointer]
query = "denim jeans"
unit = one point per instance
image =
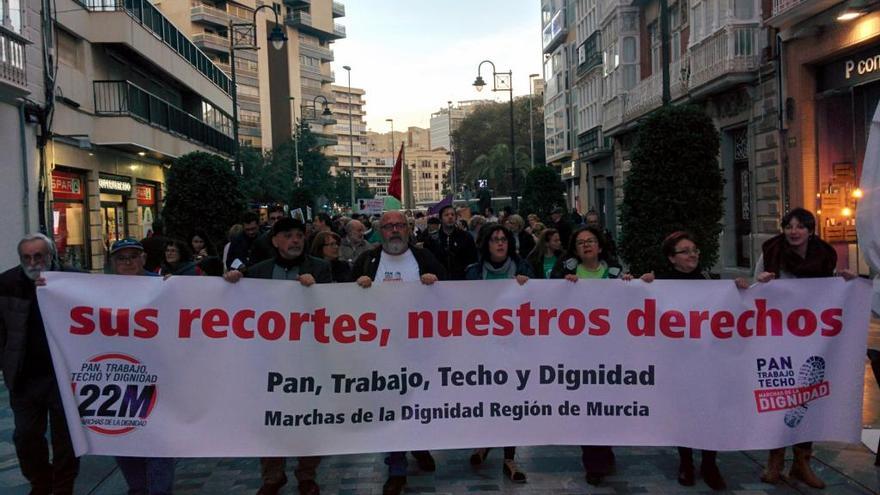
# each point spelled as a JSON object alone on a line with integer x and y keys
{"x": 148, "y": 475}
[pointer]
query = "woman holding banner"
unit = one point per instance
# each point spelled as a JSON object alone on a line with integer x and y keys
{"x": 586, "y": 259}
{"x": 683, "y": 254}
{"x": 498, "y": 261}
{"x": 796, "y": 253}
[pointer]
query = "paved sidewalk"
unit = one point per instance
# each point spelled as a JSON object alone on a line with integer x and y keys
{"x": 847, "y": 469}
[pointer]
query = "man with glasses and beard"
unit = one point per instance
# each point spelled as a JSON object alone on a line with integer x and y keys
{"x": 28, "y": 373}
{"x": 290, "y": 262}
{"x": 391, "y": 262}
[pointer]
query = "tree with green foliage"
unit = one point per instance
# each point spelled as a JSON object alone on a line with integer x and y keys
{"x": 495, "y": 168}
{"x": 271, "y": 177}
{"x": 487, "y": 127}
{"x": 674, "y": 184}
{"x": 340, "y": 193}
{"x": 202, "y": 192}
{"x": 542, "y": 192}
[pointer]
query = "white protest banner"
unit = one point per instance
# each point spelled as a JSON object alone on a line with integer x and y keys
{"x": 195, "y": 366}
{"x": 371, "y": 206}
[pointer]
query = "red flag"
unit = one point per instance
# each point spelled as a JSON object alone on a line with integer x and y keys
{"x": 395, "y": 188}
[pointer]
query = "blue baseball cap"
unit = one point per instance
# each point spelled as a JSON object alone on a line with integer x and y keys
{"x": 127, "y": 243}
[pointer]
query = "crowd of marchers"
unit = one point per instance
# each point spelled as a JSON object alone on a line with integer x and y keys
{"x": 396, "y": 247}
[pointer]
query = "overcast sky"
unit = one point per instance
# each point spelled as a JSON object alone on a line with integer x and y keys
{"x": 413, "y": 56}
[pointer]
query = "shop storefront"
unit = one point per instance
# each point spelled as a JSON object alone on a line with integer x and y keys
{"x": 115, "y": 191}
{"x": 847, "y": 94}
{"x": 70, "y": 218}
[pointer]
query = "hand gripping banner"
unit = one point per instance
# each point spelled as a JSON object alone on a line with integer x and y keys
{"x": 197, "y": 367}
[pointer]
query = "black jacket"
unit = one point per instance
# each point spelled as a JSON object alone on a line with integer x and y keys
{"x": 311, "y": 265}
{"x": 455, "y": 252}
{"x": 368, "y": 263}
{"x": 24, "y": 348}
{"x": 525, "y": 243}
{"x": 240, "y": 248}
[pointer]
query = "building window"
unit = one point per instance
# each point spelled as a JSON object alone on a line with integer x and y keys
{"x": 13, "y": 15}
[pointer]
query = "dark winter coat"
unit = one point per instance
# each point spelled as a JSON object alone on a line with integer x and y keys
{"x": 455, "y": 251}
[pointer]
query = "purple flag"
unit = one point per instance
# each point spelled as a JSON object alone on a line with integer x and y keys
{"x": 434, "y": 210}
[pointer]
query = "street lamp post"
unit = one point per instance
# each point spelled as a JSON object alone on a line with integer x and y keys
{"x": 531, "y": 126}
{"x": 351, "y": 135}
{"x": 451, "y": 148}
{"x": 503, "y": 81}
{"x": 295, "y": 126}
{"x": 277, "y": 38}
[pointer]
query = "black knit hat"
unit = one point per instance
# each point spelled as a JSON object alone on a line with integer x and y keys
{"x": 286, "y": 224}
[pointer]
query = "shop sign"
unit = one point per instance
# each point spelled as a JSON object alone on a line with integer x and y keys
{"x": 146, "y": 195}
{"x": 860, "y": 68}
{"x": 114, "y": 184}
{"x": 66, "y": 185}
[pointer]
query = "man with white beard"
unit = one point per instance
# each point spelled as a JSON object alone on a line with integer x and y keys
{"x": 395, "y": 261}
{"x": 28, "y": 373}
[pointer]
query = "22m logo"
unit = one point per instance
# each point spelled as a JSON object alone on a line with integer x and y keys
{"x": 115, "y": 392}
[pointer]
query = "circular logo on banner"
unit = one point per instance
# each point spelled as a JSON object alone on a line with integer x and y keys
{"x": 116, "y": 393}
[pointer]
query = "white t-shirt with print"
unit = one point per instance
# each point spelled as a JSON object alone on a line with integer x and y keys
{"x": 397, "y": 268}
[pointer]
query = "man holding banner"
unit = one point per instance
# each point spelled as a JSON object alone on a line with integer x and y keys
{"x": 28, "y": 373}
{"x": 290, "y": 263}
{"x": 396, "y": 261}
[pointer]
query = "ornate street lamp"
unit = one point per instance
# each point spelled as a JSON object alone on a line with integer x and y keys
{"x": 503, "y": 81}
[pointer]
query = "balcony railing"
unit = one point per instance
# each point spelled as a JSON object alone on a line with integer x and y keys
{"x": 732, "y": 49}
{"x": 201, "y": 12}
{"x": 780, "y": 6}
{"x": 12, "y": 61}
{"x": 315, "y": 50}
{"x": 612, "y": 112}
{"x": 338, "y": 9}
{"x": 339, "y": 30}
{"x": 153, "y": 20}
{"x": 122, "y": 98}
{"x": 210, "y": 41}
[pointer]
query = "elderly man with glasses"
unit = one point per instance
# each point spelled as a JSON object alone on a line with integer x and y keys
{"x": 146, "y": 475}
{"x": 28, "y": 373}
{"x": 395, "y": 261}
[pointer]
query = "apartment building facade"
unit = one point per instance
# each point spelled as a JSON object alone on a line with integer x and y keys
{"x": 351, "y": 148}
{"x": 558, "y": 41}
{"x": 275, "y": 86}
{"x": 721, "y": 58}
{"x": 21, "y": 79}
{"x": 131, "y": 93}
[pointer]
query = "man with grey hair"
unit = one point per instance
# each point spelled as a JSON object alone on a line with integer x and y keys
{"x": 354, "y": 244}
{"x": 28, "y": 373}
{"x": 395, "y": 261}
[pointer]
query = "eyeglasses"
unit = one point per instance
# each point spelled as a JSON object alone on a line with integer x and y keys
{"x": 388, "y": 227}
{"x": 36, "y": 258}
{"x": 498, "y": 240}
{"x": 588, "y": 242}
{"x": 331, "y": 244}
{"x": 689, "y": 252}
{"x": 126, "y": 259}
